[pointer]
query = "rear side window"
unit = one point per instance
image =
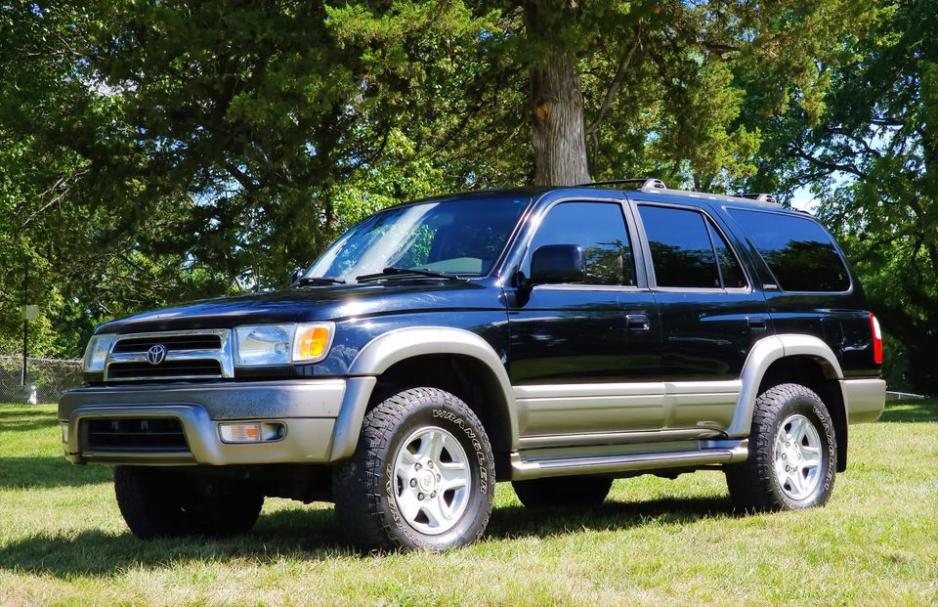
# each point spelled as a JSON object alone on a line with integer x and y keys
{"x": 798, "y": 251}
{"x": 688, "y": 251}
{"x": 599, "y": 229}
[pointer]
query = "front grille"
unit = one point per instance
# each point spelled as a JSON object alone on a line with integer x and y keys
{"x": 172, "y": 343}
{"x": 202, "y": 368}
{"x": 191, "y": 355}
{"x": 151, "y": 435}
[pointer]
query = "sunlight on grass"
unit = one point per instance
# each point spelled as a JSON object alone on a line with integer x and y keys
{"x": 655, "y": 541}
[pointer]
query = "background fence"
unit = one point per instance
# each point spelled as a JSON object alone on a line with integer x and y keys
{"x": 46, "y": 379}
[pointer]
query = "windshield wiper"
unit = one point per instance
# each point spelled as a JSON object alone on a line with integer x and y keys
{"x": 318, "y": 280}
{"x": 392, "y": 271}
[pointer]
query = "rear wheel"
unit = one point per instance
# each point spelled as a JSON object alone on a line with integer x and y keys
{"x": 792, "y": 453}
{"x": 563, "y": 491}
{"x": 158, "y": 502}
{"x": 422, "y": 477}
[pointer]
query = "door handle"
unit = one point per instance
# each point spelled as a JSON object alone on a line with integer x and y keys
{"x": 637, "y": 322}
{"x": 757, "y": 324}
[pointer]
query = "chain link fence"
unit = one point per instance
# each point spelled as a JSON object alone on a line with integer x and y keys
{"x": 46, "y": 379}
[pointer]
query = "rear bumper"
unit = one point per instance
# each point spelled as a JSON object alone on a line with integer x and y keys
{"x": 864, "y": 399}
{"x": 319, "y": 417}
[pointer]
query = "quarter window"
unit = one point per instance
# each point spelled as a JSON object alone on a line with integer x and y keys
{"x": 730, "y": 270}
{"x": 799, "y": 252}
{"x": 598, "y": 228}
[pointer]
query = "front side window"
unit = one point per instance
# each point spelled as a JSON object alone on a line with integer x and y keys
{"x": 462, "y": 237}
{"x": 799, "y": 252}
{"x": 598, "y": 228}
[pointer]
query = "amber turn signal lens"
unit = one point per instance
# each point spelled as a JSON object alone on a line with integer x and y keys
{"x": 312, "y": 342}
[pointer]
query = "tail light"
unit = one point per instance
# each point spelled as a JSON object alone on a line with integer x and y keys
{"x": 877, "y": 339}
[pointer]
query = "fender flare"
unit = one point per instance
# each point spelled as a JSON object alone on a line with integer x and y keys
{"x": 384, "y": 351}
{"x": 765, "y": 352}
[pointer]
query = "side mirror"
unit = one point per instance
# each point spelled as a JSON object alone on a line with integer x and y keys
{"x": 557, "y": 263}
{"x": 295, "y": 275}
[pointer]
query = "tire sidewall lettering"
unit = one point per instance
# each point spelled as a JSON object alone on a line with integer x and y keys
{"x": 465, "y": 432}
{"x": 462, "y": 424}
{"x": 809, "y": 409}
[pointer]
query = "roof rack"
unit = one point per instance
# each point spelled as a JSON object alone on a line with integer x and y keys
{"x": 760, "y": 197}
{"x": 647, "y": 183}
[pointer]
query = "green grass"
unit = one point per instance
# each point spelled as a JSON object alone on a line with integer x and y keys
{"x": 655, "y": 541}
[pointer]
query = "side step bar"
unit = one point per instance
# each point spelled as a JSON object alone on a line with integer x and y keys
{"x": 710, "y": 453}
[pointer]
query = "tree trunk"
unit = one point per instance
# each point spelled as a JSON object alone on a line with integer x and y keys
{"x": 558, "y": 132}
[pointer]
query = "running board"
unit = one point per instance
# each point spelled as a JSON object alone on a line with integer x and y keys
{"x": 710, "y": 453}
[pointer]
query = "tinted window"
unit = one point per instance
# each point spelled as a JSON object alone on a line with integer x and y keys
{"x": 800, "y": 253}
{"x": 599, "y": 229}
{"x": 730, "y": 270}
{"x": 680, "y": 248}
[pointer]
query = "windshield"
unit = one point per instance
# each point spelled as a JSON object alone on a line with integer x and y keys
{"x": 461, "y": 237}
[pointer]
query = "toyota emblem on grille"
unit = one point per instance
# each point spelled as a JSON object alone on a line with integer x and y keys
{"x": 156, "y": 354}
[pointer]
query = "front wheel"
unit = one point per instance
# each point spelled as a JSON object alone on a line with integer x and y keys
{"x": 422, "y": 477}
{"x": 792, "y": 453}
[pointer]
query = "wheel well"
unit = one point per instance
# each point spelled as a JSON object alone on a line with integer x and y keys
{"x": 818, "y": 375}
{"x": 466, "y": 377}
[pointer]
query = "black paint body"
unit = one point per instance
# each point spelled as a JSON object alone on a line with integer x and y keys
{"x": 549, "y": 334}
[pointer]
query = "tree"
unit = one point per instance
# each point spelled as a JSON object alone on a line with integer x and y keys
{"x": 872, "y": 161}
{"x": 159, "y": 151}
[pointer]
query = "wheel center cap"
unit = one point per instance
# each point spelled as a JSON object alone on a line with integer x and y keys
{"x": 426, "y": 480}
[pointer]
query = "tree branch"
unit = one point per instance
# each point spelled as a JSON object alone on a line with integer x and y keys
{"x": 827, "y": 165}
{"x": 616, "y": 83}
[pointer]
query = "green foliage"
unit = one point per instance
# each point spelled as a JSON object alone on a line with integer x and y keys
{"x": 155, "y": 152}
{"x": 870, "y": 159}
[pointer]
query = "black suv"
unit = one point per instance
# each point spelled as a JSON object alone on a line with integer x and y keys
{"x": 555, "y": 338}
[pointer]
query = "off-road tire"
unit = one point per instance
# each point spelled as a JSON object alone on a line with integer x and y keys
{"x": 158, "y": 502}
{"x": 753, "y": 484}
{"x": 563, "y": 492}
{"x": 363, "y": 486}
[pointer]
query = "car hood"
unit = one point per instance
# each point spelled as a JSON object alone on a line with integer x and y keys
{"x": 336, "y": 302}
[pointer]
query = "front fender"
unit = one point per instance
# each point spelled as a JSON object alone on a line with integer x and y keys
{"x": 390, "y": 348}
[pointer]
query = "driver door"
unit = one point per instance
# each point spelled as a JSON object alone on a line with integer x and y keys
{"x": 579, "y": 352}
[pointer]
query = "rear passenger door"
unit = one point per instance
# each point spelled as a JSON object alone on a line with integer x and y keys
{"x": 710, "y": 315}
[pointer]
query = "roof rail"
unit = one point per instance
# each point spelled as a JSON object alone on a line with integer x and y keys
{"x": 760, "y": 197}
{"x": 650, "y": 184}
{"x": 647, "y": 183}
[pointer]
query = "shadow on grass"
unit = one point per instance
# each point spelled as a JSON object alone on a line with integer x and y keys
{"x": 47, "y": 472}
{"x": 313, "y": 534}
{"x": 911, "y": 412}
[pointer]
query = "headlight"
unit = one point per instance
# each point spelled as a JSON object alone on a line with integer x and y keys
{"x": 259, "y": 345}
{"x": 96, "y": 353}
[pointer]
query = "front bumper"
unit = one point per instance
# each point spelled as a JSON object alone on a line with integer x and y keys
{"x": 321, "y": 418}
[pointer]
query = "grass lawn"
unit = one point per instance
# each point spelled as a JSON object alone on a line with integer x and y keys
{"x": 655, "y": 541}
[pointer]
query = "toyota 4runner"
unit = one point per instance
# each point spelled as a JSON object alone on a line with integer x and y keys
{"x": 553, "y": 338}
